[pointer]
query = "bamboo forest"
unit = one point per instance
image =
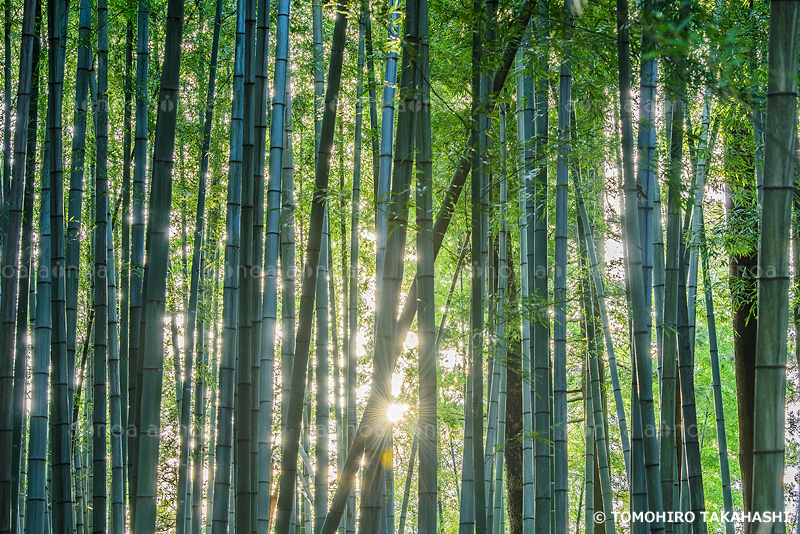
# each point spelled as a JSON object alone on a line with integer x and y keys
{"x": 400, "y": 266}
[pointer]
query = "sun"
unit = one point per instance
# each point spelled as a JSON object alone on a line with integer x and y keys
{"x": 396, "y": 412}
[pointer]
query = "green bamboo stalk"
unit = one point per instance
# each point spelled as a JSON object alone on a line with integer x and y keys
{"x": 196, "y": 286}
{"x": 124, "y": 278}
{"x": 115, "y": 398}
{"x": 599, "y": 433}
{"x": 200, "y": 388}
{"x": 382, "y": 199}
{"x": 525, "y": 114}
{"x": 351, "y": 289}
{"x": 427, "y": 426}
{"x": 156, "y": 276}
{"x": 101, "y": 299}
{"x": 212, "y": 416}
{"x": 138, "y": 242}
{"x": 322, "y": 412}
{"x": 561, "y": 505}
{"x": 82, "y": 99}
{"x": 773, "y": 263}
{"x": 63, "y": 513}
{"x": 466, "y": 521}
{"x": 479, "y": 208}
{"x": 12, "y": 223}
{"x": 407, "y": 490}
{"x": 25, "y": 305}
{"x": 40, "y": 359}
{"x": 243, "y": 429}
{"x": 539, "y": 285}
{"x": 230, "y": 309}
{"x": 501, "y": 354}
{"x": 372, "y": 501}
{"x": 692, "y": 466}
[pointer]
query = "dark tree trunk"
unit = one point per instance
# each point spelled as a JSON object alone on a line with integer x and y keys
{"x": 513, "y": 447}
{"x": 740, "y": 203}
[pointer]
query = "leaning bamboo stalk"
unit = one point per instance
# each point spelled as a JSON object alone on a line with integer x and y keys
{"x": 594, "y": 397}
{"x": 601, "y": 304}
{"x": 372, "y": 501}
{"x": 632, "y": 233}
{"x": 522, "y": 16}
{"x": 300, "y": 364}
{"x": 713, "y": 348}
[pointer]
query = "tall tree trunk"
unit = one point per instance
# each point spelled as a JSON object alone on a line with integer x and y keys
{"x": 156, "y": 276}
{"x": 742, "y": 280}
{"x": 773, "y": 287}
